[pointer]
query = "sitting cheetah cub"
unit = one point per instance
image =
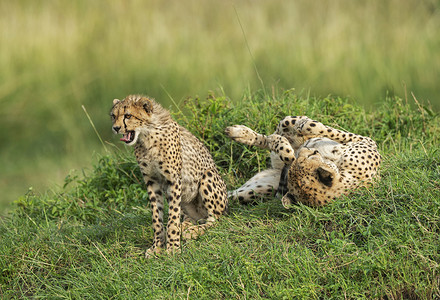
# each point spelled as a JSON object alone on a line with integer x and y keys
{"x": 318, "y": 163}
{"x": 173, "y": 162}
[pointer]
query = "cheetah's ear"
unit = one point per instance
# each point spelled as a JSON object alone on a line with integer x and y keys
{"x": 325, "y": 175}
{"x": 147, "y": 105}
{"x": 115, "y": 101}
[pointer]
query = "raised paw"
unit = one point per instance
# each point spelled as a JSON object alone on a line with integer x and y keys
{"x": 242, "y": 134}
{"x": 311, "y": 128}
{"x": 300, "y": 125}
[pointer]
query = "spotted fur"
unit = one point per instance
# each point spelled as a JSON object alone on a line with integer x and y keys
{"x": 311, "y": 163}
{"x": 174, "y": 164}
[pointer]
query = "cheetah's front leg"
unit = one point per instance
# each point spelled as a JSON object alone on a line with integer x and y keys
{"x": 274, "y": 142}
{"x": 156, "y": 201}
{"x": 173, "y": 226}
{"x": 247, "y": 136}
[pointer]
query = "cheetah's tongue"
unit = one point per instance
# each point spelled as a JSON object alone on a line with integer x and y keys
{"x": 126, "y": 137}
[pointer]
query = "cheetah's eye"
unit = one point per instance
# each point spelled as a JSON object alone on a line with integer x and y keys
{"x": 127, "y": 116}
{"x": 113, "y": 116}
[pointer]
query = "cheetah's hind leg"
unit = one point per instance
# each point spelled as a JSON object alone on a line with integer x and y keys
{"x": 213, "y": 193}
{"x": 263, "y": 184}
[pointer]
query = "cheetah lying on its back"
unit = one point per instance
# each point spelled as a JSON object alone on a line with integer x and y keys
{"x": 319, "y": 163}
{"x": 174, "y": 162}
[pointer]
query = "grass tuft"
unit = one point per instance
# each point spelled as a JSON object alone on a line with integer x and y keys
{"x": 87, "y": 239}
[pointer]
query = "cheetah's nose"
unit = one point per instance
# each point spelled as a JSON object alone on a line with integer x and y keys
{"x": 116, "y": 128}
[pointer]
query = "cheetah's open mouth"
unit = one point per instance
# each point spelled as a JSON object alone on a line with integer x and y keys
{"x": 128, "y": 137}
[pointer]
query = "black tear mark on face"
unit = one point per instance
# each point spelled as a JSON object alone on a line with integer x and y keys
{"x": 125, "y": 124}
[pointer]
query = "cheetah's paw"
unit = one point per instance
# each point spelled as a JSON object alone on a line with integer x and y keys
{"x": 241, "y": 134}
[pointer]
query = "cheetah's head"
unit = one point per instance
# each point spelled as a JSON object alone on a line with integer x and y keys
{"x": 311, "y": 180}
{"x": 131, "y": 116}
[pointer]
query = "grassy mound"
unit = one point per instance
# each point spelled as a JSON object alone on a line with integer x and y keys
{"x": 87, "y": 240}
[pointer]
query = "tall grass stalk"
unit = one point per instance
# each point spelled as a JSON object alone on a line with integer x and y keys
{"x": 94, "y": 128}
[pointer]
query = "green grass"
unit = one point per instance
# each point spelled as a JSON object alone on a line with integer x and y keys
{"x": 57, "y": 56}
{"x": 87, "y": 240}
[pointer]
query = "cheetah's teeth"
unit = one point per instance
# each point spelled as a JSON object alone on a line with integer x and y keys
{"x": 127, "y": 137}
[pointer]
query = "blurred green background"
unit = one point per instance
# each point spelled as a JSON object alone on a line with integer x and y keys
{"x": 56, "y": 56}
